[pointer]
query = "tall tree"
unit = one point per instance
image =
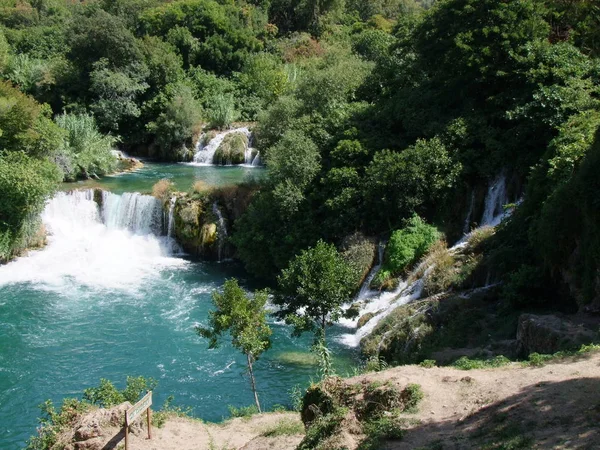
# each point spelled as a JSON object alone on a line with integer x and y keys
{"x": 245, "y": 320}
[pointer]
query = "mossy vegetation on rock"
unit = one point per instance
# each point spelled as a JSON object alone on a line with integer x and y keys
{"x": 195, "y": 226}
{"x": 340, "y": 413}
{"x": 232, "y": 150}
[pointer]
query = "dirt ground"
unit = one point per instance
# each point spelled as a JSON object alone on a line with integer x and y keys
{"x": 556, "y": 406}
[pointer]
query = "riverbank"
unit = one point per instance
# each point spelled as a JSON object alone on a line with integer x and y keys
{"x": 553, "y": 406}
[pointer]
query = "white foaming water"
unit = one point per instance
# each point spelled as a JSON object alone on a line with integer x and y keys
{"x": 170, "y": 217}
{"x": 205, "y": 153}
{"x": 82, "y": 250}
{"x": 495, "y": 200}
{"x": 384, "y": 303}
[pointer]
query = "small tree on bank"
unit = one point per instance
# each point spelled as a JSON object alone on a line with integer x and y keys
{"x": 312, "y": 292}
{"x": 245, "y": 320}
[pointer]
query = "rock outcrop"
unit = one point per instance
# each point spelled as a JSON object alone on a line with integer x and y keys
{"x": 548, "y": 334}
{"x": 97, "y": 429}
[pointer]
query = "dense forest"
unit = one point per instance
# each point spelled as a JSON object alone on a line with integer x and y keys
{"x": 368, "y": 114}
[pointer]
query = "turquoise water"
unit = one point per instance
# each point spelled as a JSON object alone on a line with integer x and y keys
{"x": 107, "y": 298}
{"x": 58, "y": 340}
{"x": 183, "y": 176}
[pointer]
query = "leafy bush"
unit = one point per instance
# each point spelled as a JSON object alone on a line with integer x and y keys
{"x": 85, "y": 152}
{"x": 465, "y": 363}
{"x": 107, "y": 395}
{"x": 221, "y": 111}
{"x": 408, "y": 245}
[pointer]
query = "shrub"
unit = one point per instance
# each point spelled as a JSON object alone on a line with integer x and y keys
{"x": 428, "y": 363}
{"x": 221, "y": 112}
{"x": 408, "y": 245}
{"x": 163, "y": 189}
{"x": 107, "y": 395}
{"x": 85, "y": 151}
{"x": 465, "y": 363}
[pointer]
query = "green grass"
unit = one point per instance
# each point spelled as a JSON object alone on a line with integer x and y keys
{"x": 244, "y": 412}
{"x": 465, "y": 363}
{"x": 538, "y": 360}
{"x": 285, "y": 427}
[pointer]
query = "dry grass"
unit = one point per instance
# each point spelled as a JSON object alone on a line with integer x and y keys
{"x": 163, "y": 189}
{"x": 201, "y": 187}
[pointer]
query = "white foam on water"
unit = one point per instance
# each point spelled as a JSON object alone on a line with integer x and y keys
{"x": 121, "y": 254}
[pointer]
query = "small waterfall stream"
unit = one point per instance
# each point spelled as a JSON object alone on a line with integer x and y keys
{"x": 170, "y": 217}
{"x": 205, "y": 152}
{"x": 383, "y": 303}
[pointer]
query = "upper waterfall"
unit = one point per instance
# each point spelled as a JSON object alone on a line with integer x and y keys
{"x": 205, "y": 151}
{"x": 114, "y": 247}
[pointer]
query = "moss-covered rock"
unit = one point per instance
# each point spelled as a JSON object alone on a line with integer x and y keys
{"x": 195, "y": 228}
{"x": 232, "y": 150}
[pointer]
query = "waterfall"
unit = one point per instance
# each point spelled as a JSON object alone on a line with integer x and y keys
{"x": 495, "y": 200}
{"x": 205, "y": 152}
{"x": 467, "y": 225}
{"x": 382, "y": 304}
{"x": 117, "y": 246}
{"x": 222, "y": 232}
{"x": 365, "y": 290}
{"x": 256, "y": 160}
{"x": 141, "y": 214}
{"x": 170, "y": 218}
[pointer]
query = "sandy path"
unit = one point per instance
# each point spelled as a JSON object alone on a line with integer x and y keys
{"x": 555, "y": 407}
{"x": 190, "y": 434}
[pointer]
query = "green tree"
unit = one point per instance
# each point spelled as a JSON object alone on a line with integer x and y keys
{"x": 245, "y": 319}
{"x": 313, "y": 290}
{"x": 25, "y": 184}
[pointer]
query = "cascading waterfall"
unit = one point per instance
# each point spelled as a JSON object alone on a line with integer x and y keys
{"x": 365, "y": 289}
{"x": 256, "y": 160}
{"x": 495, "y": 200}
{"x": 382, "y": 304}
{"x": 206, "y": 152}
{"x": 170, "y": 217}
{"x": 222, "y": 232}
{"x": 113, "y": 247}
{"x": 140, "y": 214}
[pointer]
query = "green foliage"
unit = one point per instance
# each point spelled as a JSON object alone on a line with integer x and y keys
{"x": 107, "y": 395}
{"x": 178, "y": 122}
{"x": 539, "y": 360}
{"x": 25, "y": 184}
{"x": 52, "y": 422}
{"x": 401, "y": 183}
{"x": 244, "y": 412}
{"x": 428, "y": 363}
{"x": 465, "y": 363}
{"x": 285, "y": 427}
{"x": 313, "y": 289}
{"x": 410, "y": 244}
{"x": 245, "y": 319}
{"x": 219, "y": 34}
{"x": 25, "y": 124}
{"x": 85, "y": 151}
{"x": 221, "y": 111}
